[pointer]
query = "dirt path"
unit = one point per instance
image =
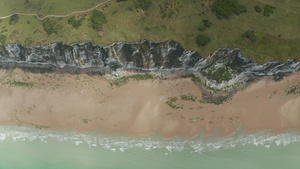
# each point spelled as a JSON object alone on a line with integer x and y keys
{"x": 57, "y": 16}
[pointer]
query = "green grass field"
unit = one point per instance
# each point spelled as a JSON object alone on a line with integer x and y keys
{"x": 42, "y": 7}
{"x": 277, "y": 36}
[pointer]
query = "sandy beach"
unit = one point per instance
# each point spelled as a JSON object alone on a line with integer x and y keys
{"x": 91, "y": 103}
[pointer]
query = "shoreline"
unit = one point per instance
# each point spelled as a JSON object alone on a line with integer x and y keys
{"x": 122, "y": 143}
{"x": 171, "y": 107}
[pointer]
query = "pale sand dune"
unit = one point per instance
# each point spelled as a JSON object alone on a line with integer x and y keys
{"x": 86, "y": 103}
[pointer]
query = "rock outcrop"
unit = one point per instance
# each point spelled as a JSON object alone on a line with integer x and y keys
{"x": 223, "y": 68}
{"x": 145, "y": 55}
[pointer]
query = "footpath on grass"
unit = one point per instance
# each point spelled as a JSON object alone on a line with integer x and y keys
{"x": 57, "y": 16}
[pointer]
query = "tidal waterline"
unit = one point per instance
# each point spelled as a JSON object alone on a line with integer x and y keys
{"x": 34, "y": 148}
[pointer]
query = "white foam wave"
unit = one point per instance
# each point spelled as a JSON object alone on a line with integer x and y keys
{"x": 121, "y": 144}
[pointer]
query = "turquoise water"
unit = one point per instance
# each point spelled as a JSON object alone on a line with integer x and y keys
{"x": 32, "y": 148}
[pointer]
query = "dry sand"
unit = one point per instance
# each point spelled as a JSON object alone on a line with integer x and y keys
{"x": 91, "y": 103}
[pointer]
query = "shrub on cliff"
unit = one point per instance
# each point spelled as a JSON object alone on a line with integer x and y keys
{"x": 206, "y": 23}
{"x": 75, "y": 23}
{"x": 225, "y": 8}
{"x": 98, "y": 19}
{"x": 202, "y": 40}
{"x": 201, "y": 28}
{"x": 257, "y": 9}
{"x": 2, "y": 39}
{"x": 250, "y": 35}
{"x": 14, "y": 19}
{"x": 242, "y": 9}
{"x": 143, "y": 4}
{"x": 50, "y": 26}
{"x": 268, "y": 10}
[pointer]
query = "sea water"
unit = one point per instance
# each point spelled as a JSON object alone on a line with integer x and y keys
{"x": 29, "y": 148}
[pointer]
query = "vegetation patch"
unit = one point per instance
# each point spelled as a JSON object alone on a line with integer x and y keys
{"x": 143, "y": 4}
{"x": 141, "y": 76}
{"x": 293, "y": 91}
{"x": 173, "y": 99}
{"x": 51, "y": 26}
{"x": 168, "y": 8}
{"x": 219, "y": 75}
{"x": 234, "y": 67}
{"x": 18, "y": 84}
{"x": 268, "y": 10}
{"x": 195, "y": 78}
{"x": 2, "y": 39}
{"x": 242, "y": 9}
{"x": 226, "y": 8}
{"x": 98, "y": 19}
{"x": 75, "y": 23}
{"x": 14, "y": 19}
{"x": 201, "y": 28}
{"x": 206, "y": 23}
{"x": 257, "y": 9}
{"x": 171, "y": 103}
{"x": 202, "y": 40}
{"x": 123, "y": 80}
{"x": 188, "y": 98}
{"x": 250, "y": 35}
{"x": 204, "y": 101}
{"x": 86, "y": 121}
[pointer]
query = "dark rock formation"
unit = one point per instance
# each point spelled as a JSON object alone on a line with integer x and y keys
{"x": 223, "y": 68}
{"x": 235, "y": 60}
{"x": 145, "y": 55}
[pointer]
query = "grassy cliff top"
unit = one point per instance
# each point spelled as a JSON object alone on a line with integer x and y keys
{"x": 265, "y": 30}
{"x": 42, "y": 7}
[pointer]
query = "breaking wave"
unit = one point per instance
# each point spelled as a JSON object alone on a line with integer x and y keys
{"x": 122, "y": 143}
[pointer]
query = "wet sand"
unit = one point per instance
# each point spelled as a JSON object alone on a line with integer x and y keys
{"x": 91, "y": 103}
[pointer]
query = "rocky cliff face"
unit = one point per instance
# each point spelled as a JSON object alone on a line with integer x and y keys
{"x": 226, "y": 67}
{"x": 222, "y": 68}
{"x": 145, "y": 55}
